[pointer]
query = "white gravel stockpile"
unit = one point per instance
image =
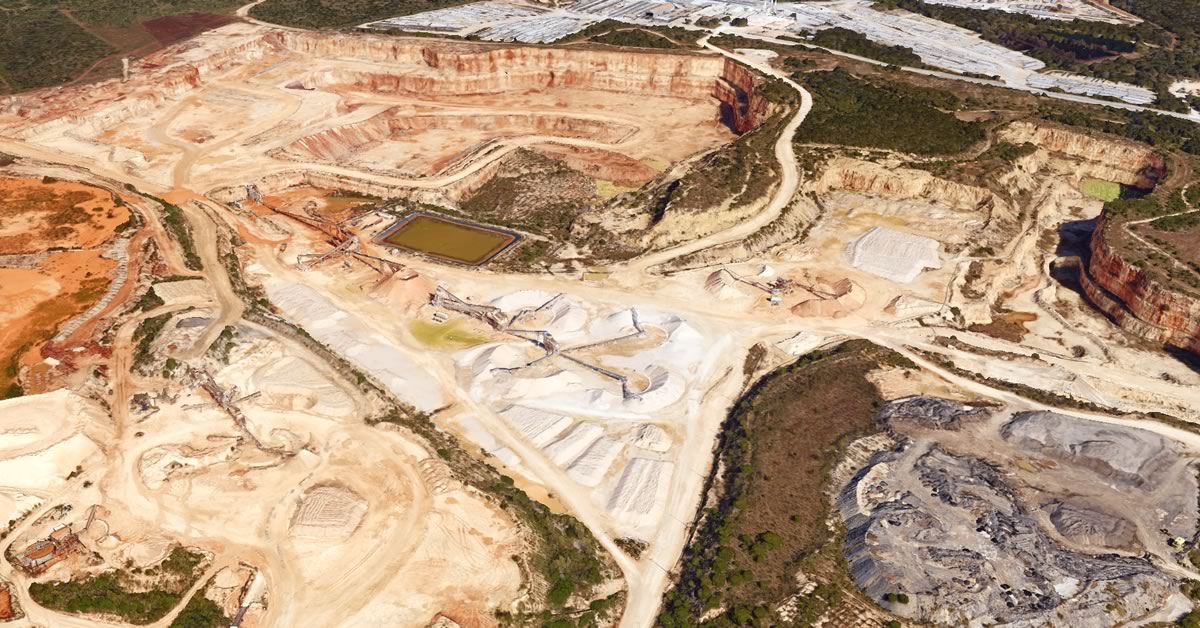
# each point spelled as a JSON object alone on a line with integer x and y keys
{"x": 565, "y": 450}
{"x": 640, "y": 494}
{"x": 585, "y": 452}
{"x": 589, "y": 468}
{"x": 538, "y": 427}
{"x": 893, "y": 255}
{"x": 350, "y": 337}
{"x": 651, "y": 437}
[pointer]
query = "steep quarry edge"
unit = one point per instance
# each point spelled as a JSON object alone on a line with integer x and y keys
{"x": 1133, "y": 300}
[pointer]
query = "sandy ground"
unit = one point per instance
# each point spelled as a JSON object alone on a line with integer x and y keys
{"x": 359, "y": 525}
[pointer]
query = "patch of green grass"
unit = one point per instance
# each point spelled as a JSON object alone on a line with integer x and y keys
{"x": 453, "y": 334}
{"x": 1106, "y": 191}
{"x": 606, "y": 189}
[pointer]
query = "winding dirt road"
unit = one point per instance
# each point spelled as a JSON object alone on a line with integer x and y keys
{"x": 789, "y": 180}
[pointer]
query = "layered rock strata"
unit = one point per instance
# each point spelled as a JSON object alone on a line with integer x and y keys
{"x": 1134, "y": 300}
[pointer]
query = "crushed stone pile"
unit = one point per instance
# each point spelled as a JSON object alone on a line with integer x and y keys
{"x": 893, "y": 255}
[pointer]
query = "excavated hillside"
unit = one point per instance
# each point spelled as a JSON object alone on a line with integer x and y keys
{"x": 1107, "y": 158}
{"x": 391, "y": 65}
{"x": 1134, "y": 298}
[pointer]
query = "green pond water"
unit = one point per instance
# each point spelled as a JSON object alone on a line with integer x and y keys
{"x": 449, "y": 240}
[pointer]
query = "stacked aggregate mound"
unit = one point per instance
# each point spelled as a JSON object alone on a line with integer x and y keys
{"x": 328, "y": 512}
{"x": 931, "y": 412}
{"x": 893, "y": 255}
{"x": 950, "y": 533}
{"x": 1090, "y": 527}
{"x": 723, "y": 285}
{"x": 1135, "y": 301}
{"x": 829, "y": 298}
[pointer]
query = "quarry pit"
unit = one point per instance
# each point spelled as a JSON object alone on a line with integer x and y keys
{"x": 310, "y": 398}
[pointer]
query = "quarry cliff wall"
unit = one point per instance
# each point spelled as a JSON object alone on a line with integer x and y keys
{"x": 845, "y": 174}
{"x": 1134, "y": 300}
{"x": 742, "y": 104}
{"x": 1119, "y": 160}
{"x": 442, "y": 68}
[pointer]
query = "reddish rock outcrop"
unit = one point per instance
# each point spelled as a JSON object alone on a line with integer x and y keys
{"x": 743, "y": 106}
{"x": 1135, "y": 301}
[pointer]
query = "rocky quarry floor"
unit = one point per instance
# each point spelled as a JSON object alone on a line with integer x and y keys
{"x": 984, "y": 516}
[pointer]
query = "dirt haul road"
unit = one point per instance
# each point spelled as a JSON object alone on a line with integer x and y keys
{"x": 788, "y": 184}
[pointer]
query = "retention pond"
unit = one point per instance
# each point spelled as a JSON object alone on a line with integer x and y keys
{"x": 449, "y": 239}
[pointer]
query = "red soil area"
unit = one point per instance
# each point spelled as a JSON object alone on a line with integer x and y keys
{"x": 38, "y": 217}
{"x": 6, "y": 611}
{"x": 172, "y": 28}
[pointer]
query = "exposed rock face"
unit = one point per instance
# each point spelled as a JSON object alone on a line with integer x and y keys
{"x": 175, "y": 72}
{"x": 950, "y": 533}
{"x": 406, "y": 66}
{"x": 1125, "y": 162}
{"x": 341, "y": 143}
{"x": 863, "y": 177}
{"x": 1135, "y": 301}
{"x": 742, "y": 105}
{"x": 456, "y": 69}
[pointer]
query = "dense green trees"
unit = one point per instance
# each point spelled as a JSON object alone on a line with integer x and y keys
{"x": 341, "y": 13}
{"x": 850, "y": 111}
{"x": 848, "y": 41}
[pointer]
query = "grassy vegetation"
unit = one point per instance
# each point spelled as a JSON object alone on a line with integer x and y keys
{"x": 201, "y": 612}
{"x": 454, "y": 334}
{"x": 740, "y": 172}
{"x": 177, "y": 224}
{"x": 614, "y": 33}
{"x": 50, "y": 42}
{"x": 1098, "y": 188}
{"x": 854, "y": 43}
{"x": 769, "y": 514}
{"x": 1173, "y": 234}
{"x": 223, "y": 345}
{"x": 1182, "y": 222}
{"x": 137, "y": 599}
{"x": 342, "y": 13}
{"x": 144, "y": 336}
{"x": 851, "y": 111}
{"x": 533, "y": 193}
{"x": 984, "y": 170}
{"x": 1192, "y": 194}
